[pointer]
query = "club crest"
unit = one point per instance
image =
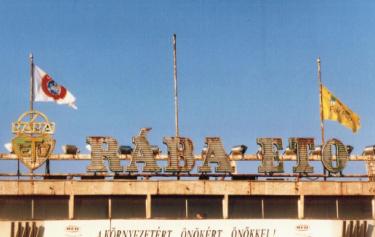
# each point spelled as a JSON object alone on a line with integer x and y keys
{"x": 33, "y": 143}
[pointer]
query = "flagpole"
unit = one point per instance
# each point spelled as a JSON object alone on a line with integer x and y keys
{"x": 31, "y": 58}
{"x": 321, "y": 109}
{"x": 321, "y": 100}
{"x": 175, "y": 84}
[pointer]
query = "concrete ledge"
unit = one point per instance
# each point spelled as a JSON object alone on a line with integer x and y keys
{"x": 196, "y": 187}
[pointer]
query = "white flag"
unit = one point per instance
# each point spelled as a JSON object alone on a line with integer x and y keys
{"x": 47, "y": 90}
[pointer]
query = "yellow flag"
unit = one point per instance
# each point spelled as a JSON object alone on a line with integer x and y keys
{"x": 334, "y": 109}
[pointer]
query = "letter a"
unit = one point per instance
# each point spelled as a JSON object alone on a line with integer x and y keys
{"x": 215, "y": 154}
{"x": 142, "y": 153}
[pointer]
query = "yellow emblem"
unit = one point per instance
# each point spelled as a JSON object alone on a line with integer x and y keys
{"x": 33, "y": 143}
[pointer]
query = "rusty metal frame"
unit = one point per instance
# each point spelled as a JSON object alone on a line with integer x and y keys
{"x": 130, "y": 176}
{"x": 247, "y": 157}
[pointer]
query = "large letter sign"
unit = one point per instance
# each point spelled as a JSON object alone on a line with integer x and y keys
{"x": 269, "y": 155}
{"x": 103, "y": 148}
{"x": 33, "y": 145}
{"x": 180, "y": 149}
{"x": 341, "y": 156}
{"x": 215, "y": 154}
{"x": 301, "y": 147}
{"x": 143, "y": 153}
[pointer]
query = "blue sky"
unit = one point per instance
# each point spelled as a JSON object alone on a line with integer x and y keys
{"x": 246, "y": 69}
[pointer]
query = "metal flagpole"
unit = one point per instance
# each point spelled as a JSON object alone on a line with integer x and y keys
{"x": 321, "y": 100}
{"x": 31, "y": 82}
{"x": 321, "y": 109}
{"x": 31, "y": 58}
{"x": 175, "y": 84}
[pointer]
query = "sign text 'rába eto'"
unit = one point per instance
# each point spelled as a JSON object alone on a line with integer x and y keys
{"x": 181, "y": 158}
{"x": 33, "y": 144}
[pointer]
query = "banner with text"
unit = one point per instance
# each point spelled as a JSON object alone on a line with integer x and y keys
{"x": 179, "y": 228}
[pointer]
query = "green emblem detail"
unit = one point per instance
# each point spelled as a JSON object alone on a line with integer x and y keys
{"x": 33, "y": 143}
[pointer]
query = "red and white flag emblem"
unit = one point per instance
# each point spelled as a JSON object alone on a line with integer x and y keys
{"x": 47, "y": 90}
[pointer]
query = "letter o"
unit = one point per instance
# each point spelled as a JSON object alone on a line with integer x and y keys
{"x": 342, "y": 156}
